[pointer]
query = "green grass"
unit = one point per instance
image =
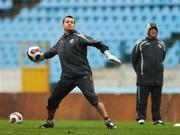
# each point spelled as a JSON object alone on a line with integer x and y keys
{"x": 86, "y": 128}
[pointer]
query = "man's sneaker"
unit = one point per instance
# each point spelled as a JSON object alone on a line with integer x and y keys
{"x": 109, "y": 124}
{"x": 141, "y": 121}
{"x": 47, "y": 124}
{"x": 158, "y": 122}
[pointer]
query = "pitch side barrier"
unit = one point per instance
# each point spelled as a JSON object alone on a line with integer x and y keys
{"x": 129, "y": 90}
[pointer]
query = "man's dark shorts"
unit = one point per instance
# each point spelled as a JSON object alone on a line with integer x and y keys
{"x": 66, "y": 85}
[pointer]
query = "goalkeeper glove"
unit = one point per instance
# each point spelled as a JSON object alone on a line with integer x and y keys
{"x": 112, "y": 57}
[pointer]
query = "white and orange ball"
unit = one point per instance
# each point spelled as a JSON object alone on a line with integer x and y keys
{"x": 34, "y": 53}
{"x": 15, "y": 118}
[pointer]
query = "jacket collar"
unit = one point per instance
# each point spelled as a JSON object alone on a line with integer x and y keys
{"x": 70, "y": 32}
{"x": 150, "y": 38}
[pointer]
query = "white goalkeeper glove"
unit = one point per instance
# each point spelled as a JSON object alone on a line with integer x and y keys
{"x": 112, "y": 57}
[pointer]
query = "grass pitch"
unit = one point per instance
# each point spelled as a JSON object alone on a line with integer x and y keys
{"x": 86, "y": 128}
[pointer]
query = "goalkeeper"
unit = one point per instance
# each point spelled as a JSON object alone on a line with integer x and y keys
{"x": 72, "y": 51}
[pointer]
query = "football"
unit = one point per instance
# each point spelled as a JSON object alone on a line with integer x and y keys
{"x": 34, "y": 53}
{"x": 15, "y": 118}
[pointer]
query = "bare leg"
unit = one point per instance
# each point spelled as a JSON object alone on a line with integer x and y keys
{"x": 87, "y": 88}
{"x": 101, "y": 110}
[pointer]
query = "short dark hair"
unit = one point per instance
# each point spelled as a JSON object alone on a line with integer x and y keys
{"x": 68, "y": 16}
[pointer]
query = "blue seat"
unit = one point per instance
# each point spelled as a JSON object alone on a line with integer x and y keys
{"x": 117, "y": 23}
{"x": 6, "y": 4}
{"x": 173, "y": 56}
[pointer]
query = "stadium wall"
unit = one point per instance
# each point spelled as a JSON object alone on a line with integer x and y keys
{"x": 120, "y": 107}
{"x": 10, "y": 80}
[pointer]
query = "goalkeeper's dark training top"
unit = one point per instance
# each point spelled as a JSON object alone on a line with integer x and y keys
{"x": 72, "y": 52}
{"x": 147, "y": 59}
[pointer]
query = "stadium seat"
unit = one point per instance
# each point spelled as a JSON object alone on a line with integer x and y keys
{"x": 6, "y": 4}
{"x": 115, "y": 22}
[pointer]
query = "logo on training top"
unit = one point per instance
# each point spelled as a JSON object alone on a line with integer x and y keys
{"x": 71, "y": 41}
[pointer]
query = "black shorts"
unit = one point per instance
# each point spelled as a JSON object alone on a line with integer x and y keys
{"x": 65, "y": 85}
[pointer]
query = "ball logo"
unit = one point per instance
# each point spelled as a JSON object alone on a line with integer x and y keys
{"x": 33, "y": 51}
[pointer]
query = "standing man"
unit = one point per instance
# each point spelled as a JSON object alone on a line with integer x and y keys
{"x": 147, "y": 58}
{"x": 72, "y": 51}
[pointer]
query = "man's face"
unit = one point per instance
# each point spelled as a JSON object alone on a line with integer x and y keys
{"x": 69, "y": 24}
{"x": 153, "y": 32}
